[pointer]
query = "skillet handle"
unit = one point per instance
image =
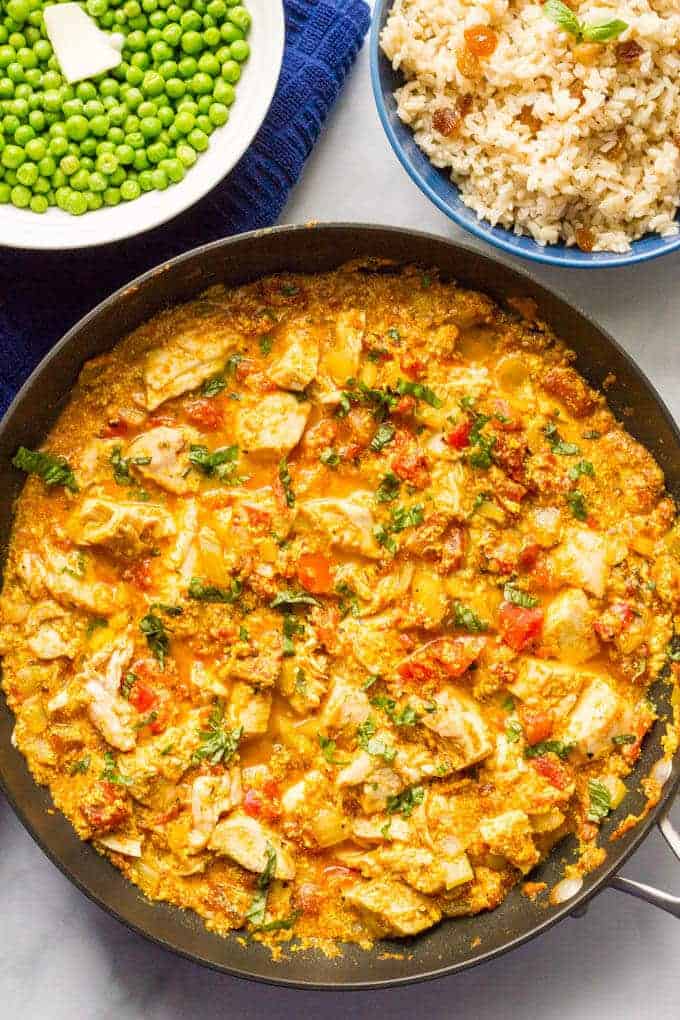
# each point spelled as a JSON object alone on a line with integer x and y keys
{"x": 657, "y": 897}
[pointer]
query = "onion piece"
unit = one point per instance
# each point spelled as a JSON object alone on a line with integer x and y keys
{"x": 122, "y": 845}
{"x": 565, "y": 890}
{"x": 662, "y": 771}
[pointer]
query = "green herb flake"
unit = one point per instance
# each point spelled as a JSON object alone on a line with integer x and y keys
{"x": 464, "y": 617}
{"x": 211, "y": 387}
{"x": 233, "y": 361}
{"x": 624, "y": 738}
{"x": 349, "y": 602}
{"x": 127, "y": 683}
{"x": 218, "y": 744}
{"x": 293, "y": 597}
{"x": 519, "y": 597}
{"x": 52, "y": 470}
{"x": 286, "y": 482}
{"x": 388, "y": 489}
{"x": 565, "y": 19}
{"x": 111, "y": 773}
{"x": 282, "y": 923}
{"x": 577, "y": 504}
{"x": 257, "y": 910}
{"x": 330, "y": 458}
{"x": 600, "y": 801}
{"x": 328, "y": 749}
{"x": 202, "y": 592}
{"x": 374, "y": 745}
{"x": 406, "y": 387}
{"x": 153, "y": 629}
{"x": 384, "y": 539}
{"x": 403, "y": 803}
{"x": 266, "y": 343}
{"x": 96, "y": 623}
{"x": 80, "y": 767}
{"x": 513, "y": 731}
{"x": 583, "y": 467}
{"x": 383, "y": 436}
{"x": 557, "y": 747}
{"x": 220, "y": 463}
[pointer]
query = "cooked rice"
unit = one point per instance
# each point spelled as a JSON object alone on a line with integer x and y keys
{"x": 551, "y": 145}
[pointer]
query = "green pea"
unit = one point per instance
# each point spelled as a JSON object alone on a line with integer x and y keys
{"x": 94, "y": 200}
{"x": 12, "y": 157}
{"x": 125, "y": 154}
{"x": 240, "y": 17}
{"x": 97, "y": 181}
{"x": 172, "y": 33}
{"x": 75, "y": 203}
{"x": 240, "y": 50}
{"x": 80, "y": 180}
{"x": 174, "y": 168}
{"x": 185, "y": 122}
{"x": 224, "y": 92}
{"x": 20, "y": 196}
{"x": 160, "y": 179}
{"x": 129, "y": 190}
{"x": 231, "y": 71}
{"x": 192, "y": 43}
{"x": 39, "y": 204}
{"x": 112, "y": 196}
{"x": 146, "y": 180}
{"x": 153, "y": 84}
{"x": 77, "y": 127}
{"x": 198, "y": 139}
{"x": 219, "y": 114}
{"x": 5, "y": 193}
{"x": 107, "y": 163}
{"x": 100, "y": 126}
{"x": 157, "y": 151}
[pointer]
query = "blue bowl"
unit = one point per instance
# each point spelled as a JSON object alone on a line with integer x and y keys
{"x": 441, "y": 190}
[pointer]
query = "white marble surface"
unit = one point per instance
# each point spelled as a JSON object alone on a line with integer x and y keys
{"x": 64, "y": 959}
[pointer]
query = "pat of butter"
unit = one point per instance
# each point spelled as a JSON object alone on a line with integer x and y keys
{"x": 82, "y": 49}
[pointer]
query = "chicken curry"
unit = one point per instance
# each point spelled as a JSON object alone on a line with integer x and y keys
{"x": 332, "y": 604}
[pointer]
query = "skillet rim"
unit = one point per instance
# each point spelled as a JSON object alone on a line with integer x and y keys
{"x": 605, "y": 873}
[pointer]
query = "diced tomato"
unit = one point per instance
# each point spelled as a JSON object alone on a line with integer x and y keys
{"x": 159, "y": 724}
{"x": 205, "y": 413}
{"x": 414, "y": 367}
{"x": 141, "y": 696}
{"x": 326, "y": 620}
{"x": 252, "y": 804}
{"x": 459, "y": 436}
{"x": 452, "y": 656}
{"x": 537, "y": 725}
{"x": 257, "y": 517}
{"x": 314, "y": 573}
{"x": 114, "y": 428}
{"x": 270, "y": 788}
{"x": 518, "y": 626}
{"x": 548, "y": 767}
{"x": 140, "y": 574}
{"x": 411, "y": 465}
{"x": 405, "y": 405}
{"x": 529, "y": 555}
{"x": 162, "y": 419}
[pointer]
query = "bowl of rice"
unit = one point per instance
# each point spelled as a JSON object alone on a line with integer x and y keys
{"x": 550, "y": 130}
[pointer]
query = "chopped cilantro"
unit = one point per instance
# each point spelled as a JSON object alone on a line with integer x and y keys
{"x": 291, "y": 628}
{"x": 394, "y": 334}
{"x": 286, "y": 482}
{"x": 212, "y": 593}
{"x": 583, "y": 467}
{"x": 403, "y": 517}
{"x": 53, "y": 470}
{"x": 374, "y": 745}
{"x": 600, "y": 801}
{"x": 220, "y": 463}
{"x": 513, "y": 731}
{"x": 406, "y": 716}
{"x": 557, "y": 444}
{"x": 383, "y": 538}
{"x": 291, "y": 597}
{"x": 406, "y": 387}
{"x": 577, "y": 504}
{"x": 349, "y": 603}
{"x": 282, "y": 923}
{"x": 383, "y": 436}
{"x": 80, "y": 767}
{"x": 211, "y": 387}
{"x": 330, "y": 457}
{"x": 96, "y": 623}
{"x": 153, "y": 629}
{"x": 624, "y": 738}
{"x": 218, "y": 744}
{"x": 519, "y": 597}
{"x": 328, "y": 750}
{"x": 557, "y": 747}
{"x": 388, "y": 490}
{"x": 266, "y": 343}
{"x": 403, "y": 803}
{"x": 257, "y": 910}
{"x": 233, "y": 361}
{"x": 464, "y": 617}
{"x": 111, "y": 772}
{"x": 127, "y": 683}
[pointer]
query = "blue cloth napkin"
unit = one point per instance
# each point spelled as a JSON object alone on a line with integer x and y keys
{"x": 42, "y": 295}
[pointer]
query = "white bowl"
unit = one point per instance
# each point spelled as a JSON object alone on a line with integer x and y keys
{"x": 55, "y": 229}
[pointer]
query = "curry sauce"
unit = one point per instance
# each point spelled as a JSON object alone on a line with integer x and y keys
{"x": 333, "y": 601}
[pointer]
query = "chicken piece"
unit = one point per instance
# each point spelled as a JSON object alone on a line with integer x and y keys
{"x": 600, "y": 715}
{"x": 448, "y": 488}
{"x": 247, "y": 842}
{"x": 314, "y": 812}
{"x": 126, "y": 845}
{"x": 66, "y": 582}
{"x": 211, "y": 797}
{"x": 380, "y": 829}
{"x": 273, "y": 425}
{"x": 458, "y": 720}
{"x": 204, "y": 678}
{"x": 249, "y": 709}
{"x": 510, "y": 836}
{"x": 48, "y": 643}
{"x": 346, "y": 705}
{"x": 372, "y": 642}
{"x": 566, "y": 385}
{"x": 545, "y": 525}
{"x": 548, "y": 685}
{"x": 381, "y": 784}
{"x": 375, "y": 590}
{"x": 304, "y": 676}
{"x": 348, "y": 523}
{"x": 568, "y": 632}
{"x": 110, "y": 713}
{"x": 391, "y": 908}
{"x": 341, "y": 355}
{"x": 296, "y": 357}
{"x": 185, "y": 362}
{"x": 423, "y": 870}
{"x": 582, "y": 560}
{"x": 357, "y": 770}
{"x": 154, "y": 768}
{"x": 165, "y": 451}
{"x": 127, "y": 528}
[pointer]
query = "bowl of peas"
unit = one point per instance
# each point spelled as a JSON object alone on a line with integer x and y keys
{"x": 102, "y": 158}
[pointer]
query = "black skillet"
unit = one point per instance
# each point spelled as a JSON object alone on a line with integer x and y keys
{"x": 455, "y": 944}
